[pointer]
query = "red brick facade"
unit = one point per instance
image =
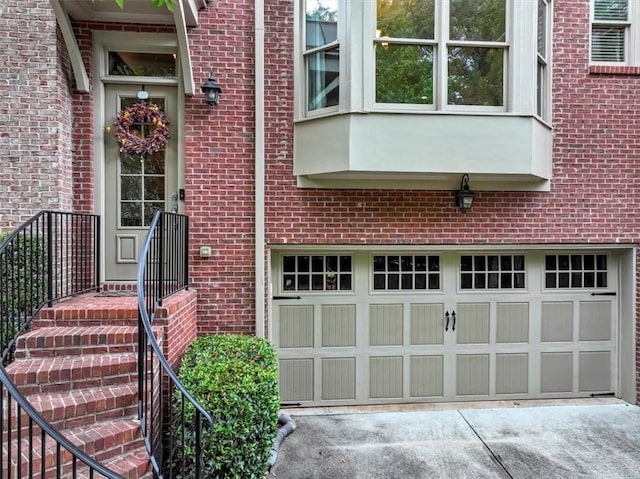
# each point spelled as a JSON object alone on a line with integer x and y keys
{"x": 593, "y": 197}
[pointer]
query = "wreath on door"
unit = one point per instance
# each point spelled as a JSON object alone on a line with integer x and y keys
{"x": 130, "y": 140}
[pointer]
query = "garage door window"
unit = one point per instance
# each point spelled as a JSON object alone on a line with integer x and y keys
{"x": 317, "y": 273}
{"x": 406, "y": 272}
{"x": 492, "y": 272}
{"x": 575, "y": 271}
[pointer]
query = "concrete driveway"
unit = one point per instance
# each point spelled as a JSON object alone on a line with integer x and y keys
{"x": 568, "y": 439}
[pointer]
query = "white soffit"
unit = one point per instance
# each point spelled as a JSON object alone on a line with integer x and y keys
{"x": 185, "y": 14}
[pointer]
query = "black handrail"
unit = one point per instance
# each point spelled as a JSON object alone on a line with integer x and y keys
{"x": 163, "y": 271}
{"x": 53, "y": 255}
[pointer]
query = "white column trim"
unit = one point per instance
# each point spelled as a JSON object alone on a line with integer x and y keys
{"x": 259, "y": 172}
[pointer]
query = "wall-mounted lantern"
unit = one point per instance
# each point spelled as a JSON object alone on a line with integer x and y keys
{"x": 464, "y": 197}
{"x": 211, "y": 90}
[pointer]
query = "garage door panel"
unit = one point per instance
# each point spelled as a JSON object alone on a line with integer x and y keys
{"x": 556, "y": 372}
{"x": 296, "y": 327}
{"x": 512, "y": 373}
{"x": 473, "y": 323}
{"x": 296, "y": 380}
{"x": 338, "y": 378}
{"x": 427, "y": 324}
{"x": 595, "y": 371}
{"x": 512, "y": 323}
{"x": 542, "y": 336}
{"x": 557, "y": 321}
{"x": 339, "y": 325}
{"x": 385, "y": 377}
{"x": 386, "y": 325}
{"x": 472, "y": 374}
{"x": 427, "y": 376}
{"x": 595, "y": 320}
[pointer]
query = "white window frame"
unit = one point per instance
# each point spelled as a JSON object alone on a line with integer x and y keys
{"x": 357, "y": 37}
{"x": 441, "y": 44}
{"x": 631, "y": 38}
{"x": 543, "y": 62}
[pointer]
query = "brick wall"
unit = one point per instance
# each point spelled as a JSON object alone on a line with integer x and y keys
{"x": 35, "y": 114}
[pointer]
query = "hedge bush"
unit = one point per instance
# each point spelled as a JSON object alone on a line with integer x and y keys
{"x": 23, "y": 266}
{"x": 235, "y": 379}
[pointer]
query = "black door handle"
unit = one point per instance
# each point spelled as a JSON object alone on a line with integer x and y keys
{"x": 446, "y": 315}
{"x": 286, "y": 297}
{"x": 453, "y": 315}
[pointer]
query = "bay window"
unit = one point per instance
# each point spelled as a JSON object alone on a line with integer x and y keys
{"x": 461, "y": 45}
{"x": 322, "y": 54}
{"x": 478, "y": 66}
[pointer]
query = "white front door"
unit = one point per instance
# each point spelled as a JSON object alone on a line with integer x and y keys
{"x": 136, "y": 186}
{"x": 418, "y": 326}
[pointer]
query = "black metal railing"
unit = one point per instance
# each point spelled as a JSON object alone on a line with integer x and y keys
{"x": 162, "y": 271}
{"x": 52, "y": 256}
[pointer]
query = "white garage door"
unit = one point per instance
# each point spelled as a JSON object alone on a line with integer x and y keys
{"x": 379, "y": 327}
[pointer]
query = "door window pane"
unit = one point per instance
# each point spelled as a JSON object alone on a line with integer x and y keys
{"x": 316, "y": 273}
{"x": 414, "y": 275}
{"x": 141, "y": 178}
{"x": 492, "y": 272}
{"x": 576, "y": 271}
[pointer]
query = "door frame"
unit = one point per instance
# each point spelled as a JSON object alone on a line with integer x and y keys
{"x": 103, "y": 42}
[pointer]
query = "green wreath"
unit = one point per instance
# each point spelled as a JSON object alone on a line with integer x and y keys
{"x": 130, "y": 140}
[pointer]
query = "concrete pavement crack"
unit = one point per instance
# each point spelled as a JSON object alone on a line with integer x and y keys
{"x": 494, "y": 456}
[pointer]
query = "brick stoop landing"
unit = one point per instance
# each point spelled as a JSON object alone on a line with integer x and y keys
{"x": 77, "y": 365}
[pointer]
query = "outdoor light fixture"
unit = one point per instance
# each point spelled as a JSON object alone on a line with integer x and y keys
{"x": 464, "y": 197}
{"x": 211, "y": 90}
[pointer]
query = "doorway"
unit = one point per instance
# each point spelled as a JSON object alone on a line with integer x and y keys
{"x": 136, "y": 186}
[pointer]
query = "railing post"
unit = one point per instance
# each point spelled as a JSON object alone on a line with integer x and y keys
{"x": 161, "y": 247}
{"x": 185, "y": 248}
{"x": 49, "y": 216}
{"x": 97, "y": 232}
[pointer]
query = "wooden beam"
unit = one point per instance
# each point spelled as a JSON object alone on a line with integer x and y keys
{"x": 77, "y": 66}
{"x": 184, "y": 53}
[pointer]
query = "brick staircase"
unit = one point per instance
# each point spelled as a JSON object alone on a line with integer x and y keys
{"x": 77, "y": 366}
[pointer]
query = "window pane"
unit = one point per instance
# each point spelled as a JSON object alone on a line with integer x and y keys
{"x": 542, "y": 28}
{"x": 476, "y": 76}
{"x": 404, "y": 74}
{"x": 303, "y": 263}
{"x": 131, "y": 214}
{"x": 477, "y": 20}
{"x": 150, "y": 210}
{"x": 611, "y": 10}
{"x": 289, "y": 264}
{"x": 323, "y": 78}
{"x": 405, "y": 19}
{"x": 130, "y": 188}
{"x": 154, "y": 188}
{"x": 142, "y": 64}
{"x": 607, "y": 43}
{"x": 322, "y": 22}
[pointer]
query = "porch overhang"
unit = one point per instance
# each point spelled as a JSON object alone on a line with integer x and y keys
{"x": 185, "y": 14}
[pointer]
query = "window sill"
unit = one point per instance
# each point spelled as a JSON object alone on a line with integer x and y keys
{"x": 614, "y": 70}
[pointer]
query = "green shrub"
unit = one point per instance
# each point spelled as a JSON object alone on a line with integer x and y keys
{"x": 235, "y": 379}
{"x": 23, "y": 266}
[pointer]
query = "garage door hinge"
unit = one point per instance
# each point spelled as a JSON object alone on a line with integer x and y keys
{"x": 287, "y": 297}
{"x": 609, "y": 293}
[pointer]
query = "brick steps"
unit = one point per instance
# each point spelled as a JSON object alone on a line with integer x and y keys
{"x": 76, "y": 340}
{"x": 116, "y": 442}
{"x": 65, "y": 373}
{"x": 81, "y": 376}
